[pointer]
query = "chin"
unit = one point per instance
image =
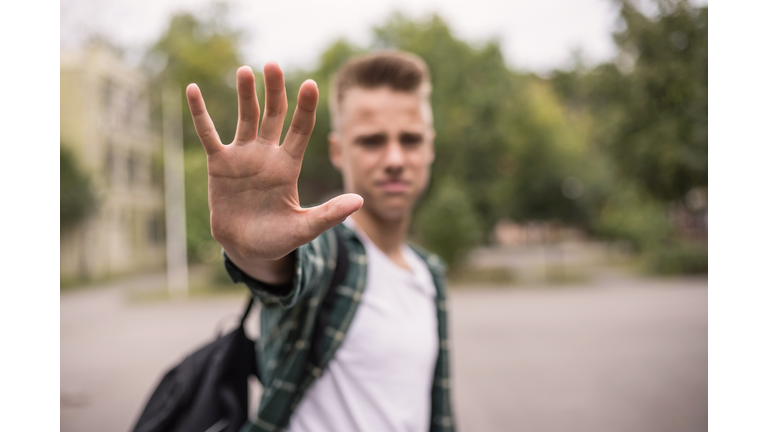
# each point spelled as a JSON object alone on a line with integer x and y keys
{"x": 391, "y": 212}
{"x": 393, "y": 215}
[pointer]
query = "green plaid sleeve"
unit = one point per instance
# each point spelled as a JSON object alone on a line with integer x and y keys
{"x": 311, "y": 270}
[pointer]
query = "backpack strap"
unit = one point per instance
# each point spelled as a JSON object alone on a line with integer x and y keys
{"x": 342, "y": 265}
{"x": 247, "y": 310}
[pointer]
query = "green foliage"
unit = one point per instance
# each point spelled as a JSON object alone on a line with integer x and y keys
{"x": 501, "y": 133}
{"x": 196, "y": 202}
{"x": 632, "y": 215}
{"x": 678, "y": 258}
{"x": 650, "y": 118}
{"x": 650, "y": 106}
{"x": 319, "y": 179}
{"x": 467, "y": 102}
{"x": 552, "y": 173}
{"x": 77, "y": 194}
{"x": 662, "y": 140}
{"x": 472, "y": 276}
{"x": 448, "y": 224}
{"x": 603, "y": 148}
{"x": 202, "y": 50}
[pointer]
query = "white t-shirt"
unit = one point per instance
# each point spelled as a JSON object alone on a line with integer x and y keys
{"x": 380, "y": 379}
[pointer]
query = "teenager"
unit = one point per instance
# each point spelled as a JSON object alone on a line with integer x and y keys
{"x": 375, "y": 357}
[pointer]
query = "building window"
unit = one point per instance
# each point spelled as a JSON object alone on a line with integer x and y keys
{"x": 107, "y": 94}
{"x": 156, "y": 229}
{"x": 109, "y": 163}
{"x": 132, "y": 168}
{"x": 128, "y": 109}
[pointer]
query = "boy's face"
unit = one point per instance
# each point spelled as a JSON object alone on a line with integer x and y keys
{"x": 383, "y": 149}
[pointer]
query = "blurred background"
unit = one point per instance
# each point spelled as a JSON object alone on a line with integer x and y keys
{"x": 569, "y": 195}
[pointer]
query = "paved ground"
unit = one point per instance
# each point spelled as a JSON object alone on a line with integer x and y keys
{"x": 618, "y": 355}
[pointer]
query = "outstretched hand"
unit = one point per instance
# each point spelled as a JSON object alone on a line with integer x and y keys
{"x": 252, "y": 191}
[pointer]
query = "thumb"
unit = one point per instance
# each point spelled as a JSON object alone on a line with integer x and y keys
{"x": 326, "y": 216}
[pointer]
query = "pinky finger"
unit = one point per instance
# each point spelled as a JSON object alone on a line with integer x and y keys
{"x": 203, "y": 123}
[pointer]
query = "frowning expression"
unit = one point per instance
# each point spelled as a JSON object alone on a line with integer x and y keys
{"x": 384, "y": 149}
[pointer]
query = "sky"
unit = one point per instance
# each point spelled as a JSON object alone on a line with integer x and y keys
{"x": 537, "y": 36}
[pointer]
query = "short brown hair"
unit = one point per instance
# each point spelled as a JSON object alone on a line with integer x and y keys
{"x": 397, "y": 70}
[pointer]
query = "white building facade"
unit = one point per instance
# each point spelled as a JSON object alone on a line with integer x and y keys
{"x": 105, "y": 121}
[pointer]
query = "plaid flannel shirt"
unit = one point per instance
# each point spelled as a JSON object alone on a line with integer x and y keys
{"x": 287, "y": 326}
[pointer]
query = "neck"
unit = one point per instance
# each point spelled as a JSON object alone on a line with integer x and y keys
{"x": 387, "y": 235}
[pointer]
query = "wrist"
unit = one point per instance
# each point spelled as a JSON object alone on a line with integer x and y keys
{"x": 269, "y": 271}
{"x": 237, "y": 275}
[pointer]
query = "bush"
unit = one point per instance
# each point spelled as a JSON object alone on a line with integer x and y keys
{"x": 448, "y": 224}
{"x": 77, "y": 195}
{"x": 678, "y": 259}
{"x": 633, "y": 216}
{"x": 201, "y": 247}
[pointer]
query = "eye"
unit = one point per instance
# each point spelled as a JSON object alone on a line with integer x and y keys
{"x": 371, "y": 141}
{"x": 411, "y": 139}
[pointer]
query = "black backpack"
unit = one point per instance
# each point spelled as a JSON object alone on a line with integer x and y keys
{"x": 208, "y": 390}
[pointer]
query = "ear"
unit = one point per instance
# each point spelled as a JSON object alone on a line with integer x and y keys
{"x": 431, "y": 145}
{"x": 334, "y": 150}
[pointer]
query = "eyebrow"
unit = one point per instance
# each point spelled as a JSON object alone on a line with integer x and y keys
{"x": 371, "y": 137}
{"x": 418, "y": 135}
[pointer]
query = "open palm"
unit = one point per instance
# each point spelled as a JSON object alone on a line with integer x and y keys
{"x": 252, "y": 182}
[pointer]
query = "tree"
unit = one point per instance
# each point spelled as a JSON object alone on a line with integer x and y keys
{"x": 649, "y": 111}
{"x": 520, "y": 147}
{"x": 77, "y": 194}
{"x": 204, "y": 50}
{"x": 651, "y": 104}
{"x": 501, "y": 133}
{"x": 319, "y": 178}
{"x": 448, "y": 225}
{"x": 662, "y": 140}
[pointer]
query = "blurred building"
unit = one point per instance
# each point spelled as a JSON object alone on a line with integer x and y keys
{"x": 105, "y": 121}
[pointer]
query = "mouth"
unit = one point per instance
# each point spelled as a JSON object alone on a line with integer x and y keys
{"x": 393, "y": 186}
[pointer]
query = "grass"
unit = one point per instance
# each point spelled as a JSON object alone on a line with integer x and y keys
{"x": 464, "y": 277}
{"x": 565, "y": 276}
{"x": 677, "y": 259}
{"x": 481, "y": 276}
{"x": 196, "y": 291}
{"x": 205, "y": 280}
{"x": 78, "y": 284}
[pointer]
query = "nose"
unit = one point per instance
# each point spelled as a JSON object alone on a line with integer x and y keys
{"x": 394, "y": 157}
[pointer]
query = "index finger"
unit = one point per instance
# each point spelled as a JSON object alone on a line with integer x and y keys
{"x": 203, "y": 123}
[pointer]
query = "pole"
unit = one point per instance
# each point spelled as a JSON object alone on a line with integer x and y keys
{"x": 175, "y": 219}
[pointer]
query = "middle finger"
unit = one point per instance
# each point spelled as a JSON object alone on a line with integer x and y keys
{"x": 276, "y": 104}
{"x": 247, "y": 106}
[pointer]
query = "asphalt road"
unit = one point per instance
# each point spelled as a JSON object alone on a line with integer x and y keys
{"x": 618, "y": 355}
